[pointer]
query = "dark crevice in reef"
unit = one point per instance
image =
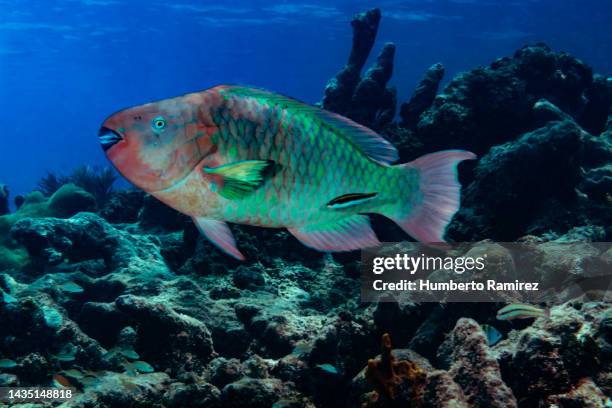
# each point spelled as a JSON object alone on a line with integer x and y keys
{"x": 126, "y": 301}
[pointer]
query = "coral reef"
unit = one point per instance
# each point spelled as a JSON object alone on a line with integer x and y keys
{"x": 492, "y": 105}
{"x": 117, "y": 295}
{"x": 539, "y": 120}
{"x": 96, "y": 181}
{"x": 390, "y": 377}
{"x": 4, "y": 199}
{"x": 50, "y": 183}
{"x": 366, "y": 100}
{"x": 475, "y": 368}
{"x": 423, "y": 97}
{"x": 18, "y": 201}
{"x": 558, "y": 181}
{"x": 65, "y": 202}
{"x": 557, "y": 356}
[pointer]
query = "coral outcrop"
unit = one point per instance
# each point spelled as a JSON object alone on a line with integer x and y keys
{"x": 492, "y": 105}
{"x": 475, "y": 368}
{"x": 96, "y": 181}
{"x": 65, "y": 202}
{"x": 391, "y": 377}
{"x": 550, "y": 179}
{"x": 543, "y": 113}
{"x": 556, "y": 357}
{"x": 366, "y": 100}
{"x": 4, "y": 199}
{"x": 424, "y": 95}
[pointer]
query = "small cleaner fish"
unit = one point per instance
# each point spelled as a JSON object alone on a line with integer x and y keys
{"x": 521, "y": 311}
{"x": 248, "y": 156}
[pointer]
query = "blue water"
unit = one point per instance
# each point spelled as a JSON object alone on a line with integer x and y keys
{"x": 65, "y": 65}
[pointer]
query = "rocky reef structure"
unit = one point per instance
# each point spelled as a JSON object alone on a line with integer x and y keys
{"x": 556, "y": 148}
{"x": 475, "y": 368}
{"x": 95, "y": 180}
{"x": 491, "y": 105}
{"x": 555, "y": 358}
{"x": 65, "y": 202}
{"x": 539, "y": 121}
{"x": 366, "y": 100}
{"x": 4, "y": 199}
{"x": 423, "y": 97}
{"x": 391, "y": 378}
{"x": 119, "y": 296}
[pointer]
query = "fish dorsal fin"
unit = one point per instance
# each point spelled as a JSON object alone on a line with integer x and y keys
{"x": 366, "y": 140}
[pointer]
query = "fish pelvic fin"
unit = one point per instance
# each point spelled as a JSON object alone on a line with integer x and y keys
{"x": 428, "y": 212}
{"x": 348, "y": 234}
{"x": 241, "y": 178}
{"x": 218, "y": 233}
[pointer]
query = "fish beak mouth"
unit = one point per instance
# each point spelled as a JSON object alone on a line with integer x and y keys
{"x": 108, "y": 138}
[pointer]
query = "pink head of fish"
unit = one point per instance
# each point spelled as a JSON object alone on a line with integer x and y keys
{"x": 158, "y": 144}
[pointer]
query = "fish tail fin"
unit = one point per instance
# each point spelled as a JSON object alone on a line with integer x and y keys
{"x": 430, "y": 208}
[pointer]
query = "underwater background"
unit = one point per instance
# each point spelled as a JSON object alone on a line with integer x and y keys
{"x": 66, "y": 65}
{"x": 106, "y": 290}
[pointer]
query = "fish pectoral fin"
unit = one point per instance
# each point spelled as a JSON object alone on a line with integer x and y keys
{"x": 350, "y": 200}
{"x": 218, "y": 233}
{"x": 347, "y": 234}
{"x": 241, "y": 178}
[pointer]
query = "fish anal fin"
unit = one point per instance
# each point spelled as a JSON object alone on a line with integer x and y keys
{"x": 350, "y": 200}
{"x": 241, "y": 178}
{"x": 348, "y": 234}
{"x": 218, "y": 233}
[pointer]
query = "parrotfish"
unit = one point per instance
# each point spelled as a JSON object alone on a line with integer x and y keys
{"x": 248, "y": 156}
{"x": 521, "y": 311}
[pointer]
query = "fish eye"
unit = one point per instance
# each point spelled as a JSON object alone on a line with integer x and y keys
{"x": 159, "y": 123}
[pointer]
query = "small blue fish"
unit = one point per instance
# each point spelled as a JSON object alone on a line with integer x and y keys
{"x": 71, "y": 287}
{"x": 328, "y": 368}
{"x": 7, "y": 363}
{"x": 74, "y": 373}
{"x": 129, "y": 353}
{"x": 521, "y": 311}
{"x": 493, "y": 335}
{"x": 135, "y": 367}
